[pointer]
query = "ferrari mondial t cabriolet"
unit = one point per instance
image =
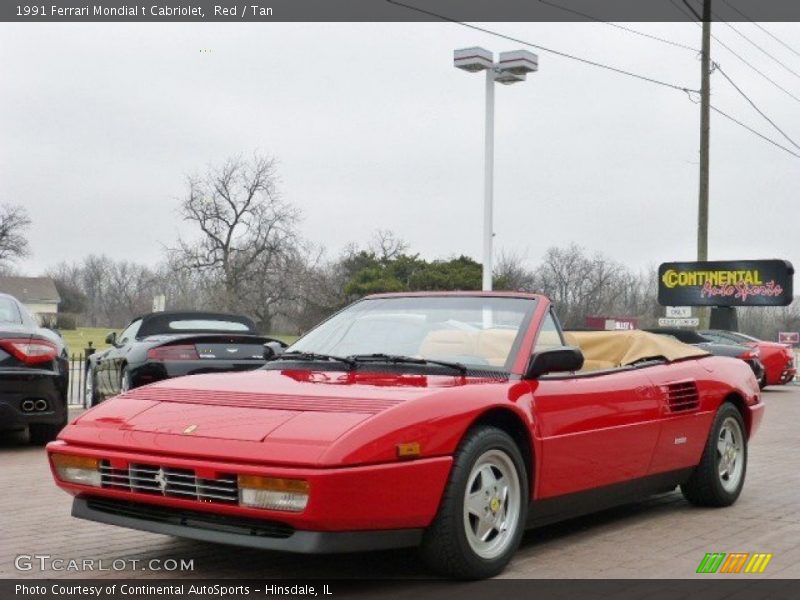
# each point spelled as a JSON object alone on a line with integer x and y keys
{"x": 448, "y": 421}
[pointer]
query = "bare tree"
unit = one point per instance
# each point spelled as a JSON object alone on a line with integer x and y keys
{"x": 582, "y": 285}
{"x": 386, "y": 245}
{"x": 510, "y": 273}
{"x": 14, "y": 221}
{"x": 247, "y": 233}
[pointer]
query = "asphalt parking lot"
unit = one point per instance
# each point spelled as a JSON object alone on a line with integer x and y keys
{"x": 663, "y": 537}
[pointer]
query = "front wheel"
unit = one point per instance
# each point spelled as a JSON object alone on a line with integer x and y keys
{"x": 719, "y": 478}
{"x": 482, "y": 515}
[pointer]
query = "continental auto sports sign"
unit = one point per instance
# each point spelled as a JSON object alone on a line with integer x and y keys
{"x": 726, "y": 283}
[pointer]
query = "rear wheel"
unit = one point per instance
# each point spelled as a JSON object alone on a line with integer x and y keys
{"x": 762, "y": 383}
{"x": 719, "y": 478}
{"x": 482, "y": 515}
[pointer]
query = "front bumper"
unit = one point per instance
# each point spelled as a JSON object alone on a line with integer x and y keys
{"x": 788, "y": 375}
{"x": 239, "y": 532}
{"x": 388, "y": 496}
{"x": 20, "y": 385}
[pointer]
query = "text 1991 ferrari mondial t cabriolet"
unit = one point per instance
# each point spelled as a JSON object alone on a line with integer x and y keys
{"x": 450, "y": 421}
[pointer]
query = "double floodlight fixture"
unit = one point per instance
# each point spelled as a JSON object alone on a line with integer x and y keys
{"x": 510, "y": 67}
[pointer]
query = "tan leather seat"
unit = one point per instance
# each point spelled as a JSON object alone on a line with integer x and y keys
{"x": 494, "y": 345}
{"x": 448, "y": 342}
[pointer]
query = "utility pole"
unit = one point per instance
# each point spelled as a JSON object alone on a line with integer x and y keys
{"x": 705, "y": 102}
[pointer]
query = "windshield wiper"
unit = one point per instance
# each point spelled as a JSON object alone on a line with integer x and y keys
{"x": 400, "y": 359}
{"x": 315, "y": 357}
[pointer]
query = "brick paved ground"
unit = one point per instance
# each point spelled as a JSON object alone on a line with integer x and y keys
{"x": 661, "y": 538}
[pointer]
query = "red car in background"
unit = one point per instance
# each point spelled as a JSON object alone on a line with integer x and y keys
{"x": 448, "y": 421}
{"x": 778, "y": 359}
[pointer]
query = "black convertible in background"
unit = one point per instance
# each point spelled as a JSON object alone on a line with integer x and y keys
{"x": 689, "y": 336}
{"x": 34, "y": 374}
{"x": 162, "y": 345}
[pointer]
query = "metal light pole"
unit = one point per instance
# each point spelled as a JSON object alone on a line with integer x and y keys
{"x": 488, "y": 183}
{"x": 511, "y": 67}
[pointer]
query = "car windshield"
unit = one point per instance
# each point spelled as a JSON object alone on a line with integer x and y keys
{"x": 475, "y": 331}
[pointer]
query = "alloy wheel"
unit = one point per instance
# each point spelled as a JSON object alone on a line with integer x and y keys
{"x": 492, "y": 504}
{"x": 730, "y": 455}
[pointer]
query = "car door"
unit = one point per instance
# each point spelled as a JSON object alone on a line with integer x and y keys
{"x": 684, "y": 421}
{"x": 596, "y": 429}
{"x": 110, "y": 365}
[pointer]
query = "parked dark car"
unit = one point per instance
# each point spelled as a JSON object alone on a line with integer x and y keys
{"x": 746, "y": 353}
{"x": 34, "y": 374}
{"x": 778, "y": 359}
{"x": 163, "y": 345}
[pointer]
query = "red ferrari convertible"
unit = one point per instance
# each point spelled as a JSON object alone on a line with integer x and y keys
{"x": 448, "y": 421}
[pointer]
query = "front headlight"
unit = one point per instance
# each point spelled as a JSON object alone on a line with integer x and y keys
{"x": 77, "y": 469}
{"x": 273, "y": 493}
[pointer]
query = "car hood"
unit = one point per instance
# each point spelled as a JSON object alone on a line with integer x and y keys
{"x": 296, "y": 414}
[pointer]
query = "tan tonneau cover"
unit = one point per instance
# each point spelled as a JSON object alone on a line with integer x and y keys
{"x": 614, "y": 349}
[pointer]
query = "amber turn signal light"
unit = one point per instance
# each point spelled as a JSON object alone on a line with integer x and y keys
{"x": 408, "y": 450}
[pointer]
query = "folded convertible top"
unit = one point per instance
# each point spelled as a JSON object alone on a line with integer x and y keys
{"x": 609, "y": 349}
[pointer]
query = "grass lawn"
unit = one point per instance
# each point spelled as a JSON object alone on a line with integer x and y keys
{"x": 78, "y": 339}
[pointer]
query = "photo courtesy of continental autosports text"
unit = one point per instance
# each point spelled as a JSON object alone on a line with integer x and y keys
{"x": 399, "y": 298}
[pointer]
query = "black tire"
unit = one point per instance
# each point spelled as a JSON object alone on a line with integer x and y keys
{"x": 445, "y": 547}
{"x": 762, "y": 383}
{"x": 706, "y": 487}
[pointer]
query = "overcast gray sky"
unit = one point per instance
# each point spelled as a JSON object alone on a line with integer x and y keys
{"x": 374, "y": 128}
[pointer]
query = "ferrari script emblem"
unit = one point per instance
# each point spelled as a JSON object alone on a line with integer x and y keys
{"x": 189, "y": 429}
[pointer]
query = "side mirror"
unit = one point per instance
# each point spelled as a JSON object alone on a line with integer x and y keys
{"x": 273, "y": 349}
{"x": 111, "y": 338}
{"x": 555, "y": 360}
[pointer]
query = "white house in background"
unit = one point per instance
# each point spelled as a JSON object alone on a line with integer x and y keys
{"x": 38, "y": 294}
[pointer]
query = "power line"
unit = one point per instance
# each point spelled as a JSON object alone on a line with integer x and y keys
{"x": 736, "y": 54}
{"x": 772, "y": 81}
{"x": 683, "y": 11}
{"x": 586, "y": 61}
{"x": 770, "y": 34}
{"x": 692, "y": 10}
{"x": 622, "y": 27}
{"x": 592, "y": 63}
{"x": 762, "y": 50}
{"x": 753, "y": 104}
{"x": 753, "y": 131}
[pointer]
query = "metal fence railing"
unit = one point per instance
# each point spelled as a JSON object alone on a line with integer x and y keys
{"x": 78, "y": 368}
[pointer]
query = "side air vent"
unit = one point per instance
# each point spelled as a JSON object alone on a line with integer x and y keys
{"x": 682, "y": 397}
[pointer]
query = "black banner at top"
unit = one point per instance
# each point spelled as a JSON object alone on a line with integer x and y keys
{"x": 393, "y": 10}
{"x": 726, "y": 283}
